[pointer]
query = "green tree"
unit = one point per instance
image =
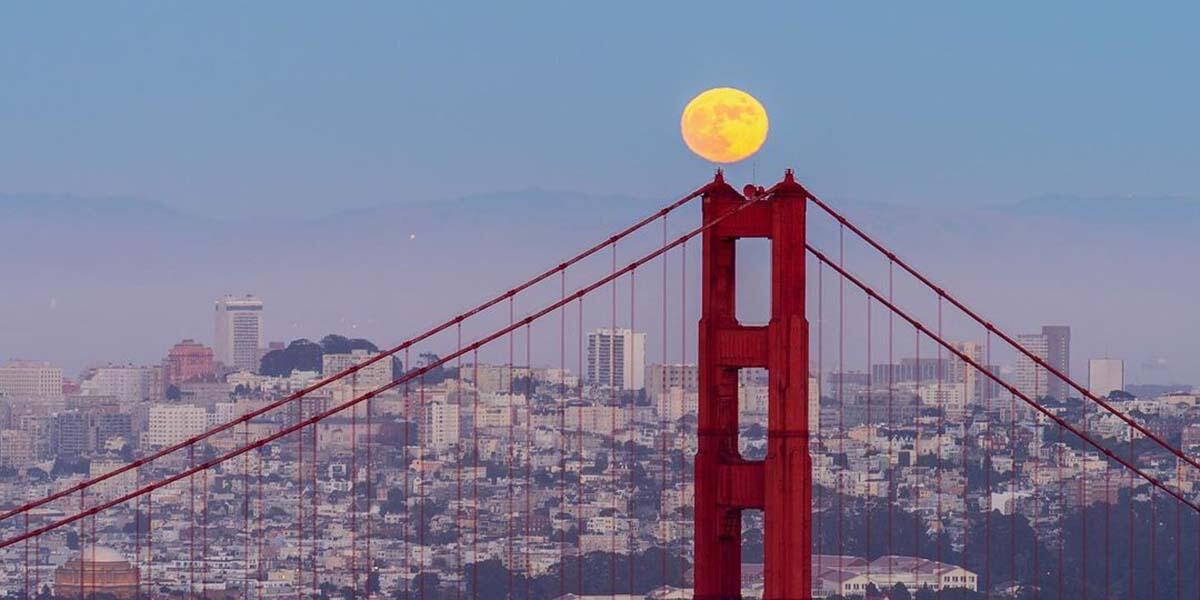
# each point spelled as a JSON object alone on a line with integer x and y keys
{"x": 299, "y": 355}
{"x": 899, "y": 592}
{"x": 339, "y": 344}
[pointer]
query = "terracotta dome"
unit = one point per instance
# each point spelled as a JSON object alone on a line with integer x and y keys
{"x": 98, "y": 569}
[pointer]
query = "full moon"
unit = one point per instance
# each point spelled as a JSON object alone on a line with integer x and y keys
{"x": 724, "y": 125}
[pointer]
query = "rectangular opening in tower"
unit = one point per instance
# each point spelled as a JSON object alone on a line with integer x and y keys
{"x": 752, "y": 413}
{"x": 752, "y": 553}
{"x": 753, "y": 276}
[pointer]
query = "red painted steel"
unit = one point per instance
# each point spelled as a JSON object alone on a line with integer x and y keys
{"x": 726, "y": 483}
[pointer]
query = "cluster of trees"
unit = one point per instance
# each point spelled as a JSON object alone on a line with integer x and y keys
{"x": 305, "y": 355}
{"x": 603, "y": 573}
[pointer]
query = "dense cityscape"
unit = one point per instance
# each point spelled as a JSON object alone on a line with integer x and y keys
{"x": 582, "y": 301}
{"x": 495, "y": 477}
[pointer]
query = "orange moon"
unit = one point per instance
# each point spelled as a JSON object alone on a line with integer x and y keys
{"x": 724, "y": 125}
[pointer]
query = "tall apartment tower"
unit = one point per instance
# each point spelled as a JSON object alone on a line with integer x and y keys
{"x": 1031, "y": 379}
{"x": 962, "y": 372}
{"x": 239, "y": 333}
{"x": 617, "y": 357}
{"x": 1106, "y": 375}
{"x": 1052, "y": 345}
{"x": 1058, "y": 354}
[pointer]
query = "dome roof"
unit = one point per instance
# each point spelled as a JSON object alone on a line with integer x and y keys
{"x": 101, "y": 554}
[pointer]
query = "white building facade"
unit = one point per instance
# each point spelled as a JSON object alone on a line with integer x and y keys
{"x": 174, "y": 423}
{"x": 1031, "y": 378}
{"x": 126, "y": 384}
{"x": 616, "y": 358}
{"x": 238, "y": 332}
{"x": 1106, "y": 375}
{"x": 30, "y": 379}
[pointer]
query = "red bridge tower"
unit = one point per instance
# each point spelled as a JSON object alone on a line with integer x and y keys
{"x": 726, "y": 483}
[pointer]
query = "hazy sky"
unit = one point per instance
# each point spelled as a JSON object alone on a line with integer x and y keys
{"x": 265, "y": 108}
{"x": 306, "y": 111}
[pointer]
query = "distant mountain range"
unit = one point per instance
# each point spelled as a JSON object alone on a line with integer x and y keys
{"x": 121, "y": 279}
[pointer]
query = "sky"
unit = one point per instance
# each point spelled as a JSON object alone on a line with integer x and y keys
{"x": 274, "y": 112}
{"x": 304, "y": 108}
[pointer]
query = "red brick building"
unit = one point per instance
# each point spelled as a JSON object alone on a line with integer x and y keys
{"x": 188, "y": 360}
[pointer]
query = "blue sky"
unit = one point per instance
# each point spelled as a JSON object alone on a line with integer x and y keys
{"x": 252, "y": 109}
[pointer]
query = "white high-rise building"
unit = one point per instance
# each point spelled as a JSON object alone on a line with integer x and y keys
{"x": 239, "y": 332}
{"x": 1052, "y": 345}
{"x": 616, "y": 358}
{"x": 440, "y": 425}
{"x": 1031, "y": 378}
{"x": 961, "y": 371}
{"x": 30, "y": 379}
{"x": 1106, "y": 375}
{"x": 1058, "y": 354}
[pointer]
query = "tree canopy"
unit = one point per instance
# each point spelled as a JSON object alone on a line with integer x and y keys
{"x": 306, "y": 355}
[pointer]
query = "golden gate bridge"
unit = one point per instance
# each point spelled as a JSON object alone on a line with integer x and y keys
{"x": 219, "y": 474}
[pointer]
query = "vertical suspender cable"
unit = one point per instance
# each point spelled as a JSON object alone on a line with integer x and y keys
{"x": 662, "y": 417}
{"x": 985, "y": 387}
{"x": 458, "y": 460}
{"x": 612, "y": 433}
{"x": 892, "y": 496}
{"x": 300, "y": 501}
{"x": 529, "y": 391}
{"x": 579, "y": 479}
{"x": 406, "y": 547}
{"x": 631, "y": 428}
{"x": 817, "y": 537}
{"x": 561, "y": 392}
{"x": 509, "y": 467}
{"x": 246, "y": 512}
{"x": 421, "y": 524}
{"x": 475, "y": 476}
{"x": 841, "y": 398}
{"x": 940, "y": 436}
{"x": 683, "y": 356}
{"x": 192, "y": 522}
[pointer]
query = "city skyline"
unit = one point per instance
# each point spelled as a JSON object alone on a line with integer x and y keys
{"x": 577, "y": 463}
{"x": 47, "y": 320}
